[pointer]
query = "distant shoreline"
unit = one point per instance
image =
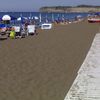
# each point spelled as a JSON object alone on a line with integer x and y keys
{"x": 63, "y": 9}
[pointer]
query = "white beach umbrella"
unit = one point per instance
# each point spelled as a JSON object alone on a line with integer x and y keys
{"x": 36, "y": 18}
{"x": 6, "y": 17}
{"x": 21, "y": 18}
{"x": 29, "y": 17}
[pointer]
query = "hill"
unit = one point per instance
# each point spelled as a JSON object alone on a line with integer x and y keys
{"x": 79, "y": 8}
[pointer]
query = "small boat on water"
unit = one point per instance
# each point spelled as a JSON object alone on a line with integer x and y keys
{"x": 94, "y": 20}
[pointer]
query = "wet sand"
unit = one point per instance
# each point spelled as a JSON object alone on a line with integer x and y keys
{"x": 43, "y": 67}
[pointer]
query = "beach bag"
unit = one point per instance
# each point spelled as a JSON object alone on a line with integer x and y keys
{"x": 12, "y": 34}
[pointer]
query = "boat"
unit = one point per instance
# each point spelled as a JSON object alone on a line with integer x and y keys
{"x": 94, "y": 20}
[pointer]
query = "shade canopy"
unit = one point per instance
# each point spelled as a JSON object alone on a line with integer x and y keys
{"x": 8, "y": 17}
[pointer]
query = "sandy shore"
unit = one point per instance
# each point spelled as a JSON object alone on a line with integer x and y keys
{"x": 43, "y": 67}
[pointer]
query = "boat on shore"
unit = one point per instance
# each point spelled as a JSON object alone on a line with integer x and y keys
{"x": 94, "y": 20}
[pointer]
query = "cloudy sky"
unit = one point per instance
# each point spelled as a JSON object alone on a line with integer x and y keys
{"x": 34, "y": 5}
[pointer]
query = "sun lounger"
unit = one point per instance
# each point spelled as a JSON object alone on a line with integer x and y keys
{"x": 17, "y": 31}
{"x": 46, "y": 26}
{"x": 31, "y": 30}
{"x": 3, "y": 34}
{"x": 3, "y": 37}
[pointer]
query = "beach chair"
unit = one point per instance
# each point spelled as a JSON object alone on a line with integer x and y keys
{"x": 46, "y": 26}
{"x": 3, "y": 34}
{"x": 31, "y": 30}
{"x": 17, "y": 31}
{"x": 23, "y": 31}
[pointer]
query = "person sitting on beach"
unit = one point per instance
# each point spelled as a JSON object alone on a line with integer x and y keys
{"x": 12, "y": 33}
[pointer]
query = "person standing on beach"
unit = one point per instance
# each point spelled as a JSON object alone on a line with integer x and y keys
{"x": 12, "y": 33}
{"x": 25, "y": 25}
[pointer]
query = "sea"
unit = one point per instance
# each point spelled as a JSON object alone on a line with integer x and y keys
{"x": 44, "y": 16}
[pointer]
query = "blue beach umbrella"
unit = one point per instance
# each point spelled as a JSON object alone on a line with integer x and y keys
{"x": 21, "y": 19}
{"x": 13, "y": 18}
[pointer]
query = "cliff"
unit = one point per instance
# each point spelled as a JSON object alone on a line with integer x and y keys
{"x": 80, "y": 8}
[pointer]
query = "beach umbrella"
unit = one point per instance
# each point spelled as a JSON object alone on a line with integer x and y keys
{"x": 29, "y": 18}
{"x": 8, "y": 17}
{"x": 21, "y": 18}
{"x": 36, "y": 18}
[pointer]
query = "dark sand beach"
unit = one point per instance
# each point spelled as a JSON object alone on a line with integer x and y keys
{"x": 44, "y": 66}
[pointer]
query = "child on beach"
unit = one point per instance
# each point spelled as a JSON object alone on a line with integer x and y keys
{"x": 12, "y": 33}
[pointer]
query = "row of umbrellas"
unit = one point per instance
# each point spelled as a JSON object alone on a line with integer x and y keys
{"x": 9, "y": 17}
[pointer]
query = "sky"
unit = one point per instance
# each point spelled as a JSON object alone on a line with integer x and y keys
{"x": 34, "y": 5}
